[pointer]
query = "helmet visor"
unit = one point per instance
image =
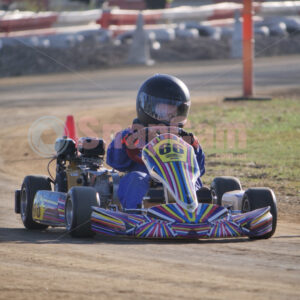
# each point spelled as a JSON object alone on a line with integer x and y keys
{"x": 164, "y": 110}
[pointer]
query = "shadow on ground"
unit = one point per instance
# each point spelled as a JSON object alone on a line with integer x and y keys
{"x": 60, "y": 236}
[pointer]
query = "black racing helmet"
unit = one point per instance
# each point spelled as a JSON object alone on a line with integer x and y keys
{"x": 163, "y": 99}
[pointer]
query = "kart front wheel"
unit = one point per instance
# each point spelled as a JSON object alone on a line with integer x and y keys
{"x": 255, "y": 198}
{"x": 30, "y": 186}
{"x": 222, "y": 185}
{"x": 78, "y": 210}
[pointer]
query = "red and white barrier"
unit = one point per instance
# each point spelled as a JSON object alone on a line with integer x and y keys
{"x": 226, "y": 22}
{"x": 227, "y": 10}
{"x": 283, "y": 8}
{"x": 69, "y": 18}
{"x": 128, "y": 17}
{"x": 52, "y": 31}
{"x": 21, "y": 21}
{"x": 202, "y": 13}
{"x": 15, "y": 21}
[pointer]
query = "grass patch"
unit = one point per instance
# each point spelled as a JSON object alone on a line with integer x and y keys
{"x": 259, "y": 142}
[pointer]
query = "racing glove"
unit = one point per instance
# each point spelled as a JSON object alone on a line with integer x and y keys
{"x": 130, "y": 141}
{"x": 190, "y": 138}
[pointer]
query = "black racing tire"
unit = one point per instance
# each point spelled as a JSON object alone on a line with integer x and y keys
{"x": 255, "y": 198}
{"x": 30, "y": 186}
{"x": 221, "y": 185}
{"x": 78, "y": 210}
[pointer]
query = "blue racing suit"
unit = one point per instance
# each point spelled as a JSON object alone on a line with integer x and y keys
{"x": 135, "y": 184}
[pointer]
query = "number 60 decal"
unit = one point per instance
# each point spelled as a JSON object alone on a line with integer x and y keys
{"x": 169, "y": 148}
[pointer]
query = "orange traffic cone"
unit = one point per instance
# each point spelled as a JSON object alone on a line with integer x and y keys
{"x": 70, "y": 129}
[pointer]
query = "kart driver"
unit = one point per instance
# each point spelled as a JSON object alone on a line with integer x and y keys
{"x": 161, "y": 100}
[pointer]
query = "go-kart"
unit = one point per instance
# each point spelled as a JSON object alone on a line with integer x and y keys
{"x": 84, "y": 199}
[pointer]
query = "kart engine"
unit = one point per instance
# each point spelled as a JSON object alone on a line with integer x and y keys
{"x": 65, "y": 148}
{"x": 83, "y": 166}
{"x": 91, "y": 147}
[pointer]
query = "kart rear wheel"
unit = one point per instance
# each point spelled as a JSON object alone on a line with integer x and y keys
{"x": 78, "y": 211}
{"x": 255, "y": 198}
{"x": 30, "y": 186}
{"x": 222, "y": 185}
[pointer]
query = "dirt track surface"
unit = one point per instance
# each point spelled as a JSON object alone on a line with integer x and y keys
{"x": 51, "y": 265}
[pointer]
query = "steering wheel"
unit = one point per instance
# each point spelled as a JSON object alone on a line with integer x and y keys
{"x": 139, "y": 138}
